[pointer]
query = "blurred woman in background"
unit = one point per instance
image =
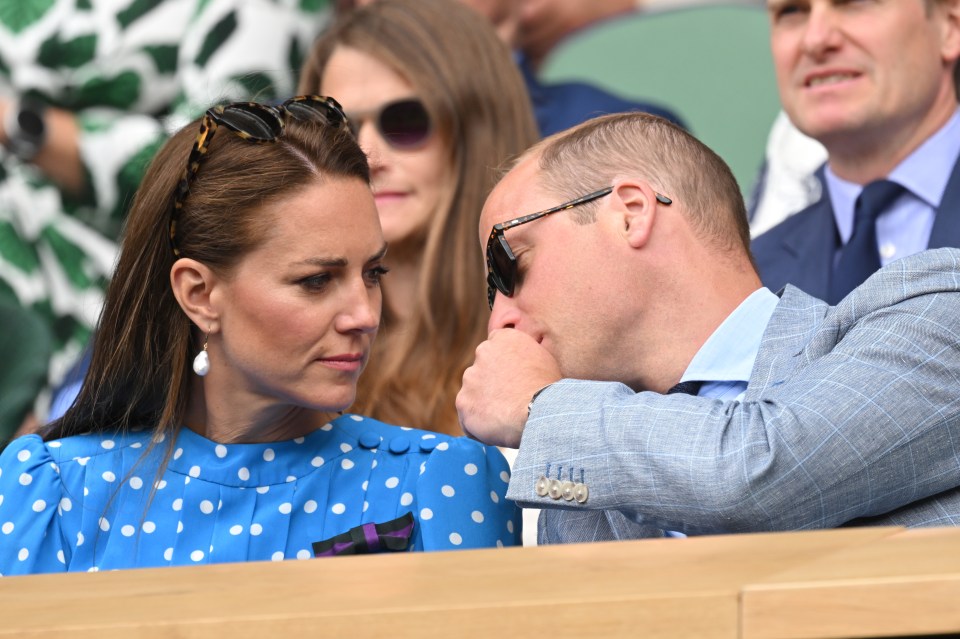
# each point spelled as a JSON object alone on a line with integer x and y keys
{"x": 439, "y": 106}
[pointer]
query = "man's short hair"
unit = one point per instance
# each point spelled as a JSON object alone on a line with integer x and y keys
{"x": 639, "y": 145}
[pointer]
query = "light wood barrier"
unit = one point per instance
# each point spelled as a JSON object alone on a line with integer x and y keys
{"x": 838, "y": 583}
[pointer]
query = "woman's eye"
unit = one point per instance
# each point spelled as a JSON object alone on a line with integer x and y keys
{"x": 376, "y": 273}
{"x": 315, "y": 282}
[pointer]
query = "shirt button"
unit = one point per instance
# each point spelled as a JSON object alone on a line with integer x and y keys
{"x": 369, "y": 439}
{"x": 543, "y": 486}
{"x": 427, "y": 445}
{"x": 566, "y": 490}
{"x": 399, "y": 445}
{"x": 888, "y": 250}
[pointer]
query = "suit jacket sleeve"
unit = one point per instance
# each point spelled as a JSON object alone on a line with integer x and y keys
{"x": 861, "y": 419}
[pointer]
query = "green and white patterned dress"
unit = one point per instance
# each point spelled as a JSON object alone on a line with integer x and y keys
{"x": 132, "y": 71}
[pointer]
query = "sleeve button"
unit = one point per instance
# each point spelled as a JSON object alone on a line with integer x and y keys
{"x": 555, "y": 490}
{"x": 543, "y": 486}
{"x": 581, "y": 493}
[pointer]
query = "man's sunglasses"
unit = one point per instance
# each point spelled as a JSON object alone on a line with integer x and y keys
{"x": 251, "y": 121}
{"x": 502, "y": 263}
{"x": 404, "y": 124}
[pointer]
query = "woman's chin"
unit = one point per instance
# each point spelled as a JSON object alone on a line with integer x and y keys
{"x": 332, "y": 406}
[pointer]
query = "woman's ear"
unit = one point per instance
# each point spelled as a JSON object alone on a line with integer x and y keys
{"x": 637, "y": 204}
{"x": 193, "y": 283}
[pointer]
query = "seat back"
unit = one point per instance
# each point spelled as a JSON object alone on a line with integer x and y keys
{"x": 710, "y": 64}
{"x": 25, "y": 349}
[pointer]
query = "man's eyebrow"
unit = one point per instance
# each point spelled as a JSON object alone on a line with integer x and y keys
{"x": 775, "y": 5}
{"x": 517, "y": 235}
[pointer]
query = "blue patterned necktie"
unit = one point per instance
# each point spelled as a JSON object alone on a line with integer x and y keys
{"x": 686, "y": 388}
{"x": 859, "y": 257}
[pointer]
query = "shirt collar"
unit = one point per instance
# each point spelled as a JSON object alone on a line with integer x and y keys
{"x": 729, "y": 353}
{"x": 924, "y": 173}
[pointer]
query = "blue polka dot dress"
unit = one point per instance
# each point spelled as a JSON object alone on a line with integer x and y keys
{"x": 94, "y": 502}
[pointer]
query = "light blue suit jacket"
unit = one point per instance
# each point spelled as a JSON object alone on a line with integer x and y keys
{"x": 851, "y": 417}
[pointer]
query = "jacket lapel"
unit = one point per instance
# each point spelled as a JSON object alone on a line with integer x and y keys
{"x": 794, "y": 321}
{"x": 811, "y": 247}
{"x": 946, "y": 224}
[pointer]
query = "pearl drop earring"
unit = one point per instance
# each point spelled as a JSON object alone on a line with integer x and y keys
{"x": 201, "y": 363}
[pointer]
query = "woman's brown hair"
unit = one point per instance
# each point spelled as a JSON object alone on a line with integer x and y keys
{"x": 468, "y": 81}
{"x": 139, "y": 374}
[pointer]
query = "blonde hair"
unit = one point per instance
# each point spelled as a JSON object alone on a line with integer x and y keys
{"x": 468, "y": 81}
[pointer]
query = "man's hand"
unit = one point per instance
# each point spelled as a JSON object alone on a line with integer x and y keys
{"x": 509, "y": 368}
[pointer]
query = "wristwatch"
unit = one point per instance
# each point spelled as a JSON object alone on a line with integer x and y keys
{"x": 24, "y": 128}
{"x": 534, "y": 398}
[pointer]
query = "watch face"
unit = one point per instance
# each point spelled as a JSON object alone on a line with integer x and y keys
{"x": 31, "y": 123}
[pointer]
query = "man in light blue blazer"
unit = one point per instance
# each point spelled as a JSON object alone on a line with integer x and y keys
{"x": 875, "y": 83}
{"x": 655, "y": 387}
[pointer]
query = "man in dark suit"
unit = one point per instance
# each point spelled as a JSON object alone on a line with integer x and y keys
{"x": 874, "y": 83}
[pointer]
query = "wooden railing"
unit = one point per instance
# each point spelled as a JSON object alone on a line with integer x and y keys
{"x": 866, "y": 582}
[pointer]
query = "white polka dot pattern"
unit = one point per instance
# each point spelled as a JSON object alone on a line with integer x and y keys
{"x": 225, "y": 502}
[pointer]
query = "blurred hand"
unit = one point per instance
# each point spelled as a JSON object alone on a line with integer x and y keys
{"x": 509, "y": 368}
{"x": 544, "y": 23}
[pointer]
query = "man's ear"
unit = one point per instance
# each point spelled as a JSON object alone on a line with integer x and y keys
{"x": 193, "y": 283}
{"x": 636, "y": 202}
{"x": 950, "y": 38}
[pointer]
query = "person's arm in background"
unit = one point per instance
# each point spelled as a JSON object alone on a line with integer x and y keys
{"x": 59, "y": 157}
{"x": 230, "y": 50}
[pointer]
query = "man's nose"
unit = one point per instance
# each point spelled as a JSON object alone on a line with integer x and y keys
{"x": 822, "y": 32}
{"x": 504, "y": 313}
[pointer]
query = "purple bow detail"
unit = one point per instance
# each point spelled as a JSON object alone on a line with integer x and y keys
{"x": 390, "y": 536}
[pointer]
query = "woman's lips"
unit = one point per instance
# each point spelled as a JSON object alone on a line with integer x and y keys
{"x": 387, "y": 197}
{"x": 347, "y": 363}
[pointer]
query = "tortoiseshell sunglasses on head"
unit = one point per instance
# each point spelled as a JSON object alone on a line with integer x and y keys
{"x": 251, "y": 121}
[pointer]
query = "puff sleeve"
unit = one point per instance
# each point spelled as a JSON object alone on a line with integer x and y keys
{"x": 461, "y": 496}
{"x": 30, "y": 498}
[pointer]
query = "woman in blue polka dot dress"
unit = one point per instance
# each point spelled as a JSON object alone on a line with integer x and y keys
{"x": 209, "y": 426}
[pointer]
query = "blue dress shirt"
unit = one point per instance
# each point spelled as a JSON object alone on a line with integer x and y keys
{"x": 904, "y": 229}
{"x": 725, "y": 361}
